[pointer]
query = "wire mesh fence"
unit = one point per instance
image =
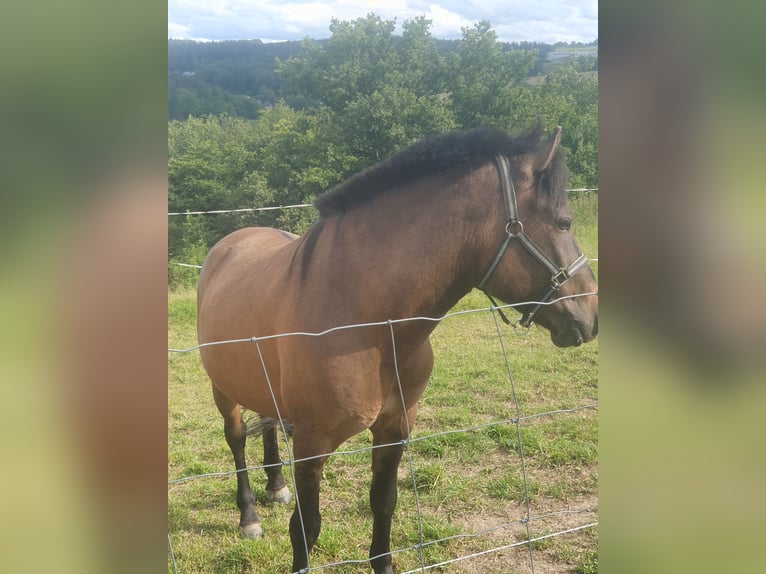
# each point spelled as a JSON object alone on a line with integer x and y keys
{"x": 516, "y": 536}
{"x": 442, "y": 526}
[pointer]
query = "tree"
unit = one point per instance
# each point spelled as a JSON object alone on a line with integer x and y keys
{"x": 570, "y": 98}
{"x": 422, "y": 66}
{"x": 376, "y": 126}
{"x": 348, "y": 103}
{"x": 483, "y": 76}
{"x": 353, "y": 63}
{"x": 211, "y": 166}
{"x": 377, "y": 93}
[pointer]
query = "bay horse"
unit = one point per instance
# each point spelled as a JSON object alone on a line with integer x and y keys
{"x": 408, "y": 237}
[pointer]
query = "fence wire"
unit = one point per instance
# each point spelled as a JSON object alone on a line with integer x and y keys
{"x": 408, "y": 440}
{"x": 305, "y": 205}
{"x": 382, "y": 323}
{"x": 243, "y": 210}
{"x": 302, "y": 206}
{"x": 518, "y": 436}
{"x": 363, "y": 449}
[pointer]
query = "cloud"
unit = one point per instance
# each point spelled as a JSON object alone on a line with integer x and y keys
{"x": 176, "y": 30}
{"x": 446, "y": 23}
{"x": 513, "y": 20}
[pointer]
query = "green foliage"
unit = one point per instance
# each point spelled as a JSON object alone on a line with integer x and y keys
{"x": 268, "y": 125}
{"x": 421, "y": 64}
{"x": 191, "y": 248}
{"x": 570, "y": 99}
{"x": 223, "y": 77}
{"x": 483, "y": 76}
{"x": 192, "y": 96}
{"x": 378, "y": 93}
{"x": 222, "y": 162}
{"x": 394, "y": 118}
{"x": 355, "y": 61}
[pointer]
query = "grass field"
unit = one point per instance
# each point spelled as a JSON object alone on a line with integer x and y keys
{"x": 467, "y": 482}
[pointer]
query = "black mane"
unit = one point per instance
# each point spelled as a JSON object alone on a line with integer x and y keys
{"x": 456, "y": 152}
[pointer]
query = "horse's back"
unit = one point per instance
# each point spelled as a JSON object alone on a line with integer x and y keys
{"x": 242, "y": 265}
{"x": 236, "y": 253}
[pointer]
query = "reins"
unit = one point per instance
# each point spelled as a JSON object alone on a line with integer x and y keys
{"x": 514, "y": 229}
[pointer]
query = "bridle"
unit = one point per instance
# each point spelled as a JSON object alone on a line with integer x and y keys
{"x": 514, "y": 229}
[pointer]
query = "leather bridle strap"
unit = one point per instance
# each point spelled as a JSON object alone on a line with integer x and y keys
{"x": 511, "y": 212}
{"x": 514, "y": 229}
{"x": 561, "y": 277}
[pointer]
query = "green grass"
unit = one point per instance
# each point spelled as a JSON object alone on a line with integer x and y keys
{"x": 467, "y": 482}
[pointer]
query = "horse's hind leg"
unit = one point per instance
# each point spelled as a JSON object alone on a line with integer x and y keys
{"x": 276, "y": 489}
{"x": 235, "y": 431}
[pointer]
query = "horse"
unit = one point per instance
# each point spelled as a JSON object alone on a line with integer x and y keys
{"x": 408, "y": 237}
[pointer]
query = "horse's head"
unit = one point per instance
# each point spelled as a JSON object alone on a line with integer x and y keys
{"x": 538, "y": 258}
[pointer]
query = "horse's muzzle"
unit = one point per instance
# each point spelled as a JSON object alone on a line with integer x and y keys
{"x": 575, "y": 334}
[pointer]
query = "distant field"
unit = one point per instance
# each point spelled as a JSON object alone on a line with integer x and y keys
{"x": 540, "y": 80}
{"x": 467, "y": 482}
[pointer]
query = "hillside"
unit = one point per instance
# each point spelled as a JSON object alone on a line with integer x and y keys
{"x": 240, "y": 78}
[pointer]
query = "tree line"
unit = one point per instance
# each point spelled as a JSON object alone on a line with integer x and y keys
{"x": 349, "y": 102}
{"x": 239, "y": 76}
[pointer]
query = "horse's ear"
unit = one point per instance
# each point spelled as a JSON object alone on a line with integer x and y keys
{"x": 547, "y": 150}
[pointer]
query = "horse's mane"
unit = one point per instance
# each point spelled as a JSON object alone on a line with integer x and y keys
{"x": 455, "y": 152}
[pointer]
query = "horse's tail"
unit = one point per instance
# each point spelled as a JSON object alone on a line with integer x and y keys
{"x": 258, "y": 424}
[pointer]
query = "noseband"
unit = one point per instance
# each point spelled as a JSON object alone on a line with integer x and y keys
{"x": 514, "y": 229}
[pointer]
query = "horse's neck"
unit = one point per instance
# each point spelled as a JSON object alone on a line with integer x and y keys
{"x": 412, "y": 254}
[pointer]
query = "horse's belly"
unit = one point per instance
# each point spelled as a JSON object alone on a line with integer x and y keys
{"x": 241, "y": 376}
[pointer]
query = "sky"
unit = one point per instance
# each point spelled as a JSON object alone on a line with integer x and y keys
{"x": 547, "y": 21}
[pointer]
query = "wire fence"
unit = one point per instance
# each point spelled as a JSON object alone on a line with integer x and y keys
{"x": 244, "y": 210}
{"x": 302, "y": 206}
{"x": 507, "y": 528}
{"x": 516, "y": 422}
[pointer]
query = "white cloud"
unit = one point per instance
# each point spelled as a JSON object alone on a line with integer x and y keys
{"x": 300, "y": 15}
{"x": 445, "y": 22}
{"x": 179, "y": 31}
{"x": 541, "y": 20}
{"x": 207, "y": 8}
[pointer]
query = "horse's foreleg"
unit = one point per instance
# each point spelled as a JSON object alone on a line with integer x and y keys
{"x": 235, "y": 432}
{"x": 305, "y": 525}
{"x": 276, "y": 489}
{"x": 383, "y": 494}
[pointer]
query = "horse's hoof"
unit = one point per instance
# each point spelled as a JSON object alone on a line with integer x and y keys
{"x": 251, "y": 531}
{"x": 282, "y": 496}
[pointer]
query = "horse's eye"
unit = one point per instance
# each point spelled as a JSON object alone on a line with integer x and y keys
{"x": 564, "y": 224}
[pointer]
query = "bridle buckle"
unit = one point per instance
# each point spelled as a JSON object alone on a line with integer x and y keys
{"x": 514, "y": 228}
{"x": 560, "y": 278}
